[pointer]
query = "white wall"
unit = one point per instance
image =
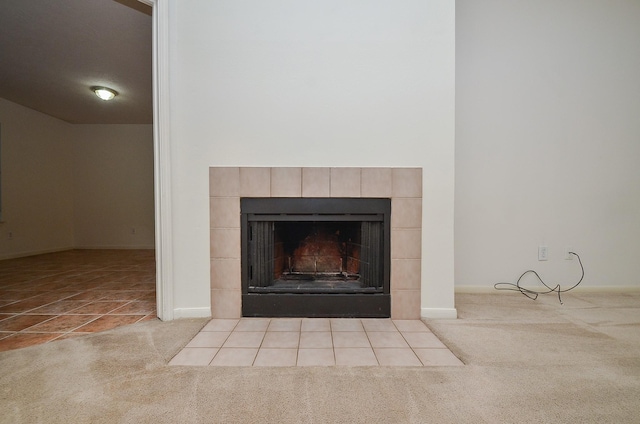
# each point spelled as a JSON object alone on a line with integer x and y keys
{"x": 113, "y": 186}
{"x": 37, "y": 199}
{"x": 547, "y": 140}
{"x": 70, "y": 186}
{"x": 313, "y": 83}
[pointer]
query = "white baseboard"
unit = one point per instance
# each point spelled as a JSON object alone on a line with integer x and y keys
{"x": 474, "y": 289}
{"x": 191, "y": 313}
{"x": 116, "y": 247}
{"x": 439, "y": 313}
{"x": 579, "y": 289}
{"x": 33, "y": 253}
{"x": 604, "y": 289}
{"x": 15, "y": 255}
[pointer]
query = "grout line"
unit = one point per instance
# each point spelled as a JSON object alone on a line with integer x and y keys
{"x": 261, "y": 343}
{"x": 370, "y": 345}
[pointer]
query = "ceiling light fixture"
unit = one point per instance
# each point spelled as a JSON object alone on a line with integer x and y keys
{"x": 104, "y": 93}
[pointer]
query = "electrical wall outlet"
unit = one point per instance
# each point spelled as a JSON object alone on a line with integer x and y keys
{"x": 567, "y": 255}
{"x": 543, "y": 253}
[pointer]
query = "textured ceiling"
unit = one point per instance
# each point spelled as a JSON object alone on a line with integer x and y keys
{"x": 51, "y": 52}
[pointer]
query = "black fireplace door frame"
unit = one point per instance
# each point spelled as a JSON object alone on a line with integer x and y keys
{"x": 367, "y": 303}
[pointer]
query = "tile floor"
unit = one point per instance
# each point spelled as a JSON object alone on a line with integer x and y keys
{"x": 66, "y": 294}
{"x": 51, "y": 297}
{"x": 315, "y": 342}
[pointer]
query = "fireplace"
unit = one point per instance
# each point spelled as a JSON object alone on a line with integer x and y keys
{"x": 227, "y": 185}
{"x": 315, "y": 257}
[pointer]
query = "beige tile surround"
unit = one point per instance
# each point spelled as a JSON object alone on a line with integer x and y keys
{"x": 402, "y": 185}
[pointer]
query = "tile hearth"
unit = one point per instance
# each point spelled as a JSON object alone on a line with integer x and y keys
{"x": 315, "y": 342}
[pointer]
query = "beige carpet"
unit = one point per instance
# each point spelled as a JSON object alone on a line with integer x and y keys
{"x": 526, "y": 362}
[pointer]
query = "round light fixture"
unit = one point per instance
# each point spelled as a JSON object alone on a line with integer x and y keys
{"x": 104, "y": 93}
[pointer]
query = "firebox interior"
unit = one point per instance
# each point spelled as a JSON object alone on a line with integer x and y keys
{"x": 317, "y": 254}
{"x": 315, "y": 257}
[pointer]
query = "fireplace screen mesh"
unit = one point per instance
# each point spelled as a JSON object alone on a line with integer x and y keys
{"x": 315, "y": 256}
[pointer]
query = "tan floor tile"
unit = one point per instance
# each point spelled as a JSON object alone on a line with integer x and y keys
{"x": 122, "y": 288}
{"x": 285, "y": 324}
{"x": 316, "y": 358}
{"x": 276, "y": 357}
{"x": 437, "y": 357}
{"x": 316, "y": 339}
{"x": 316, "y": 324}
{"x": 397, "y": 357}
{"x": 281, "y": 339}
{"x": 253, "y": 324}
{"x": 411, "y": 325}
{"x": 107, "y": 322}
{"x": 209, "y": 339}
{"x": 358, "y": 356}
{"x": 60, "y": 307}
{"x": 152, "y": 316}
{"x": 22, "y": 306}
{"x": 89, "y": 295}
{"x": 346, "y": 324}
{"x": 380, "y": 324}
{"x": 150, "y": 296}
{"x": 423, "y": 340}
{"x": 54, "y": 296}
{"x": 116, "y": 295}
{"x": 14, "y": 295}
{"x": 62, "y": 323}
{"x": 20, "y": 322}
{"x": 350, "y": 339}
{"x": 245, "y": 339}
{"x": 235, "y": 357}
{"x": 99, "y": 307}
{"x": 221, "y": 325}
{"x": 194, "y": 356}
{"x": 136, "y": 308}
{"x": 386, "y": 339}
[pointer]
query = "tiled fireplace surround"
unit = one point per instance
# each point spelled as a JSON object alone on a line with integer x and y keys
{"x": 402, "y": 185}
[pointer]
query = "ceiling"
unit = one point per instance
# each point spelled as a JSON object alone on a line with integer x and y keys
{"x": 52, "y": 52}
